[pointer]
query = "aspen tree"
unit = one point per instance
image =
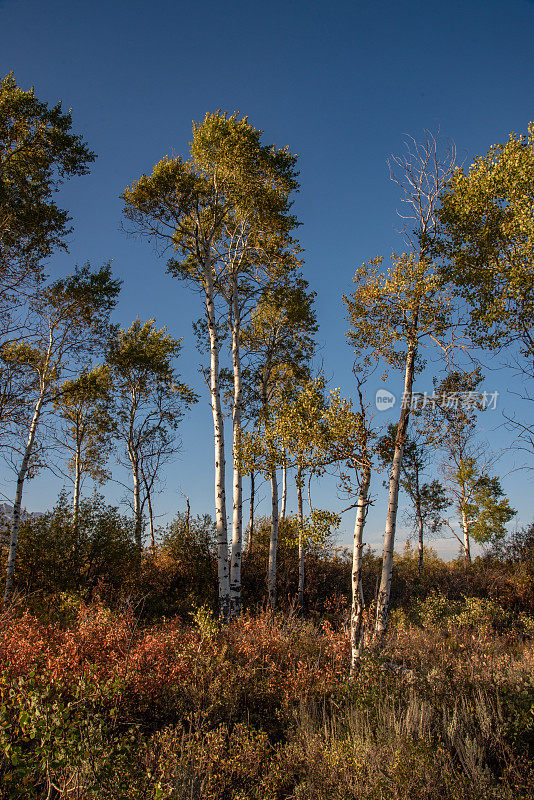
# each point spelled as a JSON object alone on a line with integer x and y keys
{"x": 392, "y": 313}
{"x": 71, "y": 318}
{"x": 357, "y": 597}
{"x": 450, "y": 425}
{"x": 391, "y": 316}
{"x": 487, "y": 214}
{"x": 148, "y": 402}
{"x": 279, "y": 343}
{"x": 314, "y": 431}
{"x": 216, "y": 211}
{"x": 255, "y": 259}
{"x": 83, "y": 407}
{"x": 355, "y": 469}
{"x": 38, "y": 152}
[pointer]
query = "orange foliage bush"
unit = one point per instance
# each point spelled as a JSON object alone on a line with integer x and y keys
{"x": 176, "y": 665}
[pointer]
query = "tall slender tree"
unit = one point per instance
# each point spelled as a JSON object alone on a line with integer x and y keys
{"x": 279, "y": 343}
{"x": 359, "y": 469}
{"x": 149, "y": 402}
{"x": 392, "y": 314}
{"x": 85, "y": 430}
{"x": 215, "y": 210}
{"x": 450, "y": 425}
{"x": 71, "y": 318}
{"x": 38, "y": 152}
{"x": 258, "y": 257}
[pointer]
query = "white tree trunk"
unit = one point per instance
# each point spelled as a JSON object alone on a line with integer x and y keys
{"x": 76, "y": 492}
{"x": 284, "y": 493}
{"x": 138, "y": 514}
{"x": 237, "y": 515}
{"x": 273, "y": 543}
{"x": 220, "y": 461}
{"x": 382, "y": 609}
{"x": 467, "y": 541}
{"x": 357, "y": 605}
{"x": 300, "y": 512}
{"x": 148, "y": 497}
{"x": 15, "y": 525}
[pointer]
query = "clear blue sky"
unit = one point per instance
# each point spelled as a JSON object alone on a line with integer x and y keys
{"x": 338, "y": 82}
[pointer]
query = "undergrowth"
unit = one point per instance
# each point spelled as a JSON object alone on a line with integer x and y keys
{"x": 98, "y": 707}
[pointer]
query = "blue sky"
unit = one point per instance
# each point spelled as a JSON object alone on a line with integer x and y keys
{"x": 340, "y": 83}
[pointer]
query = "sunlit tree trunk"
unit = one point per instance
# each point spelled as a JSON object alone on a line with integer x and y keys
{"x": 465, "y": 529}
{"x": 76, "y": 492}
{"x": 237, "y": 516}
{"x": 151, "y": 525}
{"x": 150, "y": 517}
{"x": 273, "y": 543}
{"x": 284, "y": 493}
{"x": 300, "y": 512}
{"x": 382, "y": 610}
{"x": 15, "y": 524}
{"x": 138, "y": 514}
{"x": 220, "y": 462}
{"x": 357, "y": 605}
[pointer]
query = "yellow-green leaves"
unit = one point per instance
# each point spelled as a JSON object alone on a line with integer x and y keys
{"x": 480, "y": 497}
{"x": 316, "y": 529}
{"x": 143, "y": 354}
{"x": 37, "y": 152}
{"x": 488, "y": 216}
{"x": 231, "y": 181}
{"x": 391, "y": 309}
{"x": 84, "y": 405}
{"x": 305, "y": 428}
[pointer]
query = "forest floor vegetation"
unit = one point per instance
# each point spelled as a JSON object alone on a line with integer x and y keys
{"x": 97, "y": 704}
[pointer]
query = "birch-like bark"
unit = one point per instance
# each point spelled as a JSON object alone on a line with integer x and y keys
{"x": 237, "y": 515}
{"x": 284, "y": 493}
{"x": 300, "y": 512}
{"x": 148, "y": 497}
{"x": 138, "y": 515}
{"x": 467, "y": 542}
{"x": 76, "y": 492}
{"x": 357, "y": 605}
{"x": 273, "y": 543}
{"x": 382, "y": 609}
{"x": 15, "y": 525}
{"x": 220, "y": 461}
